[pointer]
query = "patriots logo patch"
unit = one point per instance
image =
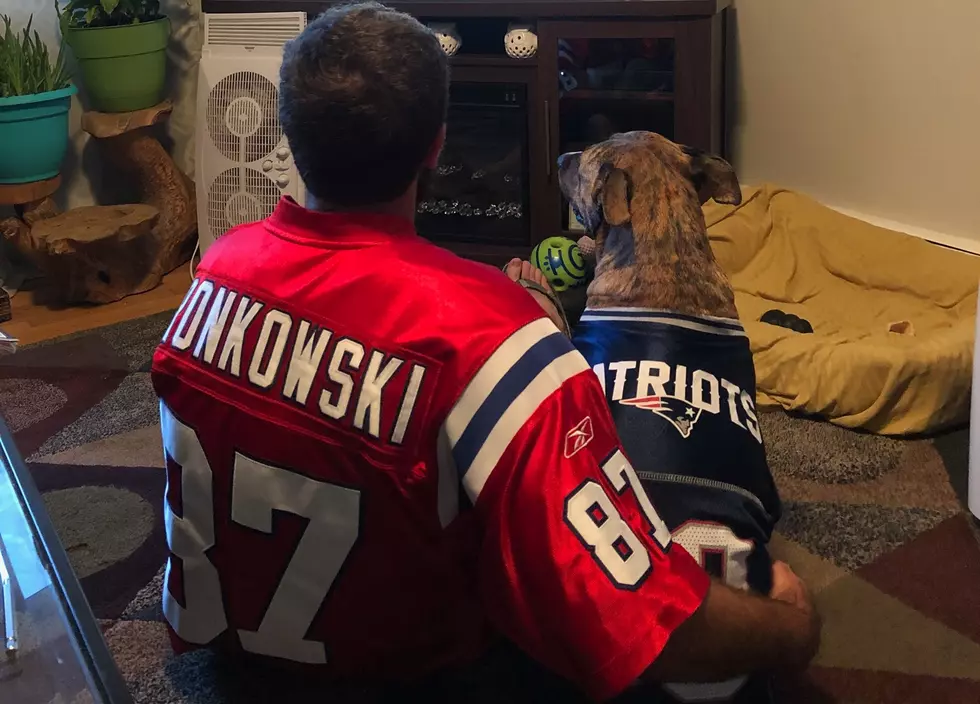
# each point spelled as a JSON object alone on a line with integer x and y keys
{"x": 676, "y": 411}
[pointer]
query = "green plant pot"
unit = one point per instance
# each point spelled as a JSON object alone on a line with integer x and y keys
{"x": 34, "y": 135}
{"x": 123, "y": 68}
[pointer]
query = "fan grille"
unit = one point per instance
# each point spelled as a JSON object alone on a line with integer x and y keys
{"x": 243, "y": 116}
{"x": 238, "y": 196}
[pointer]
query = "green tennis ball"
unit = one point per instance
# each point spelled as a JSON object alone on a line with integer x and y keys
{"x": 561, "y": 262}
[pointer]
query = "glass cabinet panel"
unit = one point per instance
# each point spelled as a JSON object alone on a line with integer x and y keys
{"x": 609, "y": 85}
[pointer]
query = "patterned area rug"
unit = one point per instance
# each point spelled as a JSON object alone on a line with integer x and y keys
{"x": 876, "y": 526}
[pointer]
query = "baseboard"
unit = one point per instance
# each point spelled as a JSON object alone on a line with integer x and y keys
{"x": 964, "y": 244}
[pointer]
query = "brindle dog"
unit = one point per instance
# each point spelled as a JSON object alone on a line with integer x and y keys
{"x": 674, "y": 362}
{"x": 640, "y": 195}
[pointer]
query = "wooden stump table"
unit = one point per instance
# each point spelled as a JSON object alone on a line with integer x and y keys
{"x": 99, "y": 254}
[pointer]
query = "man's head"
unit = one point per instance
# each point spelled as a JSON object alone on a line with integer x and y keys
{"x": 363, "y": 94}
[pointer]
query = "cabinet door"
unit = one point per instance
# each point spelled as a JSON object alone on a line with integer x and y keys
{"x": 603, "y": 77}
{"x": 481, "y": 201}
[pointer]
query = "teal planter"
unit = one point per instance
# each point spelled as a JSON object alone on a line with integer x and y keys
{"x": 33, "y": 135}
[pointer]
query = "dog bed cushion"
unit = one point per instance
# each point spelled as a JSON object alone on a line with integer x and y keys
{"x": 853, "y": 282}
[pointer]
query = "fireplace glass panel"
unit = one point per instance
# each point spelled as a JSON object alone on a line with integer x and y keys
{"x": 479, "y": 192}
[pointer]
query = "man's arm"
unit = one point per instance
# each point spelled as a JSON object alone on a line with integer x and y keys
{"x": 576, "y": 566}
{"x": 735, "y": 632}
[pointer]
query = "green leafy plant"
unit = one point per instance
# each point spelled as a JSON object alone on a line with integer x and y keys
{"x": 26, "y": 67}
{"x": 107, "y": 13}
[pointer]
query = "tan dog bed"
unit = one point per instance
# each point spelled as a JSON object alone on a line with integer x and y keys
{"x": 852, "y": 281}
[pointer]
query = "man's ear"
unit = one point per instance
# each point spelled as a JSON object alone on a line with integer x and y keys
{"x": 432, "y": 158}
{"x": 614, "y": 195}
{"x": 713, "y": 177}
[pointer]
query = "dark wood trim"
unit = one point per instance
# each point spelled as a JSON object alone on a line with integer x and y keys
{"x": 494, "y": 254}
{"x": 623, "y": 29}
{"x": 500, "y": 60}
{"x": 539, "y": 156}
{"x": 613, "y": 95}
{"x": 548, "y": 78}
{"x": 719, "y": 29}
{"x": 698, "y": 109}
{"x": 528, "y": 9}
{"x": 487, "y": 73}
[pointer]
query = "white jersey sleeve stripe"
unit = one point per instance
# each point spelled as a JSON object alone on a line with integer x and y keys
{"x": 472, "y": 398}
{"x": 549, "y": 380}
{"x": 522, "y": 372}
{"x": 490, "y": 374}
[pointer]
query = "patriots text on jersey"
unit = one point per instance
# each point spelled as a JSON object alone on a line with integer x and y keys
{"x": 677, "y": 394}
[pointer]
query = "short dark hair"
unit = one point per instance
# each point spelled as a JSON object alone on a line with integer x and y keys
{"x": 363, "y": 94}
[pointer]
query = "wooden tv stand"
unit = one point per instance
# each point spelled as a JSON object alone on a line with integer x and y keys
{"x": 635, "y": 64}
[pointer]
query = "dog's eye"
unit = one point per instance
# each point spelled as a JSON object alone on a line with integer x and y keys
{"x": 578, "y": 217}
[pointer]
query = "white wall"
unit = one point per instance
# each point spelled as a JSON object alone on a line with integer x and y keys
{"x": 871, "y": 106}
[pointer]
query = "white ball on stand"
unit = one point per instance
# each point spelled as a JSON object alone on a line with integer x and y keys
{"x": 520, "y": 42}
{"x": 449, "y": 38}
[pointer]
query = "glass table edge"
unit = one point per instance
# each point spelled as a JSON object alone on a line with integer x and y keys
{"x": 92, "y": 646}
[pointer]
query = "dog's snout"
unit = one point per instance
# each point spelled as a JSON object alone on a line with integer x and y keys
{"x": 566, "y": 160}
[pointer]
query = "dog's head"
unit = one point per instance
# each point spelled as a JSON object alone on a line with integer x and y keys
{"x": 642, "y": 182}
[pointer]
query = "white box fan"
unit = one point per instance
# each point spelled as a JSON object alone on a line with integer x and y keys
{"x": 243, "y": 162}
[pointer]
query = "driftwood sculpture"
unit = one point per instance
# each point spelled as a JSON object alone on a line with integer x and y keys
{"x": 100, "y": 254}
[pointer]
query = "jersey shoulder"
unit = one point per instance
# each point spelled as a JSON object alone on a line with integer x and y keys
{"x": 458, "y": 282}
{"x": 236, "y": 243}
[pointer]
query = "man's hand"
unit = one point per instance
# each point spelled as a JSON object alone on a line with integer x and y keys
{"x": 786, "y": 586}
{"x": 735, "y": 632}
{"x": 517, "y": 269}
{"x": 789, "y": 588}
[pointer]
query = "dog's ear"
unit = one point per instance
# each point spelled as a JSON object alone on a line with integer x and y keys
{"x": 713, "y": 177}
{"x": 614, "y": 195}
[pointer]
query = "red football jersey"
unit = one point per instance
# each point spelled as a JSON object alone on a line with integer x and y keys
{"x": 378, "y": 453}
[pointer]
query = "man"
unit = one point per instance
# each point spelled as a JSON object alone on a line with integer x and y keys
{"x": 379, "y": 455}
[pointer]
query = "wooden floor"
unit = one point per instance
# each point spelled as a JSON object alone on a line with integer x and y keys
{"x": 33, "y": 321}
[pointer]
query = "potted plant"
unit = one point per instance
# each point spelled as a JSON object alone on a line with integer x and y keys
{"x": 120, "y": 46}
{"x": 35, "y": 96}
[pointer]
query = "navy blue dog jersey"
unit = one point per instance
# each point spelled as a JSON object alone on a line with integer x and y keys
{"x": 682, "y": 392}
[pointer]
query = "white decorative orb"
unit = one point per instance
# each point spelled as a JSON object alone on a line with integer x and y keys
{"x": 520, "y": 42}
{"x": 449, "y": 38}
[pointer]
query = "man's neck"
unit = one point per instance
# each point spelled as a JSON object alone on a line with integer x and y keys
{"x": 402, "y": 207}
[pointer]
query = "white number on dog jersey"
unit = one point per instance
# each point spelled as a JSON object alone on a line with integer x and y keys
{"x": 701, "y": 539}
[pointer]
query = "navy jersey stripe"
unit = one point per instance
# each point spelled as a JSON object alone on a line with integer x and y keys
{"x": 510, "y": 386}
